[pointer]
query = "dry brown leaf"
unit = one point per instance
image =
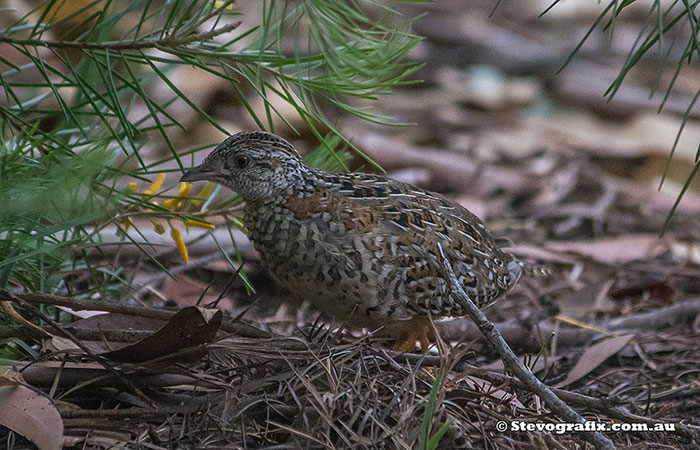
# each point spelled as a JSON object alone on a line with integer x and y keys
{"x": 614, "y": 250}
{"x": 113, "y": 332}
{"x": 189, "y": 328}
{"x": 595, "y": 356}
{"x": 117, "y": 322}
{"x": 110, "y": 331}
{"x": 82, "y": 314}
{"x": 31, "y": 415}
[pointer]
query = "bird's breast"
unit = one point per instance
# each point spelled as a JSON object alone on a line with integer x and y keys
{"x": 329, "y": 260}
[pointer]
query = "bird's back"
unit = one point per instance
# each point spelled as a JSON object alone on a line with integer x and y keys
{"x": 369, "y": 244}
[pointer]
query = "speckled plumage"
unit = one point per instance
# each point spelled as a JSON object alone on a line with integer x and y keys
{"x": 362, "y": 248}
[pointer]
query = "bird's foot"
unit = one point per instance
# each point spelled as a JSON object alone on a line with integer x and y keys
{"x": 416, "y": 329}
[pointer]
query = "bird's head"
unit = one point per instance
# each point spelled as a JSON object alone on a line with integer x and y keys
{"x": 256, "y": 165}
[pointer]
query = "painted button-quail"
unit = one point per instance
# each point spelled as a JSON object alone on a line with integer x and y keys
{"x": 362, "y": 248}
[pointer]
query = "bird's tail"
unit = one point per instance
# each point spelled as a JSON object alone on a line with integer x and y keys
{"x": 534, "y": 270}
{"x": 517, "y": 268}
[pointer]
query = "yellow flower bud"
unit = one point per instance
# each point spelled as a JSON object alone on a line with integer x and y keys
{"x": 199, "y": 224}
{"x": 204, "y": 193}
{"x": 206, "y": 190}
{"x": 132, "y": 187}
{"x": 156, "y": 185}
{"x": 177, "y": 237}
{"x": 160, "y": 229}
{"x": 220, "y": 3}
{"x": 184, "y": 190}
{"x": 171, "y": 203}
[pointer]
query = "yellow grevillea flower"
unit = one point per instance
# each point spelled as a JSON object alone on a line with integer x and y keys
{"x": 184, "y": 190}
{"x": 177, "y": 237}
{"x": 126, "y": 223}
{"x": 172, "y": 203}
{"x": 199, "y": 224}
{"x": 219, "y": 4}
{"x": 175, "y": 203}
{"x": 204, "y": 193}
{"x": 156, "y": 185}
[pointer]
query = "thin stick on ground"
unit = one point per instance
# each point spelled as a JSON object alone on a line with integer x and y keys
{"x": 239, "y": 328}
{"x": 492, "y": 335}
{"x": 97, "y": 358}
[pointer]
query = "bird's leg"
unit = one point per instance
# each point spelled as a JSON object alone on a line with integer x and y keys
{"x": 418, "y": 329}
{"x": 423, "y": 339}
{"x": 405, "y": 342}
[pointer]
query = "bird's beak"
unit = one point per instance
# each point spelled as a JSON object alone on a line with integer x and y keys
{"x": 197, "y": 173}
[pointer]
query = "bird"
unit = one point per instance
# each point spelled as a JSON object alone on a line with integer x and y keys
{"x": 362, "y": 248}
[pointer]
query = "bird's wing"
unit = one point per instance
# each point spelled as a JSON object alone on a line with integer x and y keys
{"x": 405, "y": 224}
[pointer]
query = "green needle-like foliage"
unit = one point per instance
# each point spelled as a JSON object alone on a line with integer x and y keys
{"x": 680, "y": 18}
{"x": 47, "y": 200}
{"x": 76, "y": 105}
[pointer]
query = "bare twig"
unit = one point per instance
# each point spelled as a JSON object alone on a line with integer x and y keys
{"x": 239, "y": 328}
{"x": 526, "y": 337}
{"x": 658, "y": 318}
{"x": 15, "y": 316}
{"x": 490, "y": 332}
{"x": 97, "y": 358}
{"x": 169, "y": 41}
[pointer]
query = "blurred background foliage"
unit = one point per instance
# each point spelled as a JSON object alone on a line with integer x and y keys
{"x": 682, "y": 49}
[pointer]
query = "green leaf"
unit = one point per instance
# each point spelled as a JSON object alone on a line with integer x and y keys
{"x": 427, "y": 421}
{"x": 435, "y": 439}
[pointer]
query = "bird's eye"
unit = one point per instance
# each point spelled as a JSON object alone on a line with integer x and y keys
{"x": 241, "y": 161}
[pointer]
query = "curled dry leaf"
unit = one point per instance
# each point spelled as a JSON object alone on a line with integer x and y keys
{"x": 31, "y": 415}
{"x": 114, "y": 321}
{"x": 190, "y": 328}
{"x": 108, "y": 331}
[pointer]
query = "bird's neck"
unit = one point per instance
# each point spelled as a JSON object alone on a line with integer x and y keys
{"x": 298, "y": 184}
